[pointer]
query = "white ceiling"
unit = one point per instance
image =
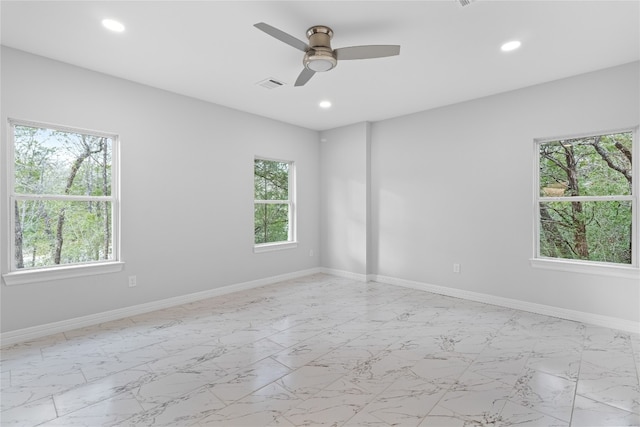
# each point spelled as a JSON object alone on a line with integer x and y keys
{"x": 211, "y": 51}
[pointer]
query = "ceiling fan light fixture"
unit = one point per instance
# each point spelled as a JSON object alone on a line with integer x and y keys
{"x": 320, "y": 65}
{"x": 320, "y": 60}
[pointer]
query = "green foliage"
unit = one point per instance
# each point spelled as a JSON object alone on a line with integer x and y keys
{"x": 595, "y": 230}
{"x": 599, "y": 164}
{"x": 271, "y": 184}
{"x": 271, "y": 180}
{"x": 44, "y": 159}
{"x": 607, "y": 231}
{"x": 83, "y": 233}
{"x": 271, "y": 223}
{"x": 49, "y": 166}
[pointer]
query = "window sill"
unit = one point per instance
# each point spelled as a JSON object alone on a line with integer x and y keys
{"x": 269, "y": 247}
{"x": 610, "y": 270}
{"x": 58, "y": 273}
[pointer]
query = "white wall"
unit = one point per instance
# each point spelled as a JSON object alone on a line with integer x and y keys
{"x": 344, "y": 198}
{"x": 454, "y": 185}
{"x": 187, "y": 189}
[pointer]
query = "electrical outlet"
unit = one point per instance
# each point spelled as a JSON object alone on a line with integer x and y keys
{"x": 456, "y": 268}
{"x": 310, "y": 252}
{"x": 132, "y": 281}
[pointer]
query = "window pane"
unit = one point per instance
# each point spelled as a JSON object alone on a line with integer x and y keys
{"x": 271, "y": 223}
{"x": 594, "y": 231}
{"x": 271, "y": 180}
{"x": 591, "y": 166}
{"x": 49, "y": 161}
{"x": 50, "y": 233}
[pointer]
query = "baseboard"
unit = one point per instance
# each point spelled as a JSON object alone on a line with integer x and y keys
{"x": 562, "y": 313}
{"x": 26, "y": 334}
{"x": 346, "y": 274}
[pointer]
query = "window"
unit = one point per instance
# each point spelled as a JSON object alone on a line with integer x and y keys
{"x": 63, "y": 197}
{"x": 274, "y": 209}
{"x": 586, "y": 201}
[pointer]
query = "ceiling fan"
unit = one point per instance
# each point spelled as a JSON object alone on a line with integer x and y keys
{"x": 318, "y": 55}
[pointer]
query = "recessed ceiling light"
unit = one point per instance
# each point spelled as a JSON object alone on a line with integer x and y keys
{"x": 509, "y": 46}
{"x": 325, "y": 104}
{"x": 113, "y": 25}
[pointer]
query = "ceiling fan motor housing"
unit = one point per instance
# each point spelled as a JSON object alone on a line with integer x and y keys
{"x": 320, "y": 57}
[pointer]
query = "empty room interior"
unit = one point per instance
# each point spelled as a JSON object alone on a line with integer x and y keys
{"x": 305, "y": 213}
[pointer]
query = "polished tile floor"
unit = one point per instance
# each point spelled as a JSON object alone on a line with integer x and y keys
{"x": 323, "y": 350}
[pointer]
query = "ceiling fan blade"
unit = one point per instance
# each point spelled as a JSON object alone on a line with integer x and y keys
{"x": 304, "y": 77}
{"x": 366, "y": 52}
{"x": 282, "y": 36}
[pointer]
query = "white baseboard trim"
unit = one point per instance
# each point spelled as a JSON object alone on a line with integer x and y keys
{"x": 34, "y": 332}
{"x": 26, "y": 334}
{"x": 346, "y": 274}
{"x": 562, "y": 313}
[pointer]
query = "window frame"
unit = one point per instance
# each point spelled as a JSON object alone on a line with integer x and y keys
{"x": 584, "y": 266}
{"x": 16, "y": 276}
{"x": 291, "y": 241}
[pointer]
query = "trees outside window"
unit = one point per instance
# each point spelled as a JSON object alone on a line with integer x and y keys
{"x": 62, "y": 196}
{"x": 273, "y": 201}
{"x": 585, "y": 201}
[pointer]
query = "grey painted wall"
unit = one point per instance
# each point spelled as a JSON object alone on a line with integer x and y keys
{"x": 187, "y": 189}
{"x": 403, "y": 198}
{"x": 343, "y": 198}
{"x": 454, "y": 185}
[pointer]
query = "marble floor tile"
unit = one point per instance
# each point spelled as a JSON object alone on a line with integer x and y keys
{"x": 599, "y": 338}
{"x": 474, "y": 396}
{"x": 102, "y": 389}
{"x": 308, "y": 380}
{"x": 334, "y": 405}
{"x": 620, "y": 362}
{"x": 263, "y": 407}
{"x": 549, "y": 394}
{"x": 165, "y": 388}
{"x": 109, "y": 412}
{"x": 378, "y": 372}
{"x": 406, "y": 402}
{"x": 505, "y": 367}
{"x": 43, "y": 386}
{"x": 323, "y": 350}
{"x": 365, "y": 419}
{"x": 248, "y": 354}
{"x": 440, "y": 368}
{"x": 5, "y": 379}
{"x": 561, "y": 363}
{"x": 444, "y": 417}
{"x": 614, "y": 389}
{"x": 246, "y": 381}
{"x": 30, "y": 414}
{"x": 521, "y": 416}
{"x": 305, "y": 352}
{"x": 587, "y": 413}
{"x": 187, "y": 409}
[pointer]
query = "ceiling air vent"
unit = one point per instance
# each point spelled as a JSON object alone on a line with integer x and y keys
{"x": 465, "y": 2}
{"x": 270, "y": 83}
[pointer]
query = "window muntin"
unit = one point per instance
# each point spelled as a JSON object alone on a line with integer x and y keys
{"x": 273, "y": 202}
{"x": 62, "y": 197}
{"x": 586, "y": 202}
